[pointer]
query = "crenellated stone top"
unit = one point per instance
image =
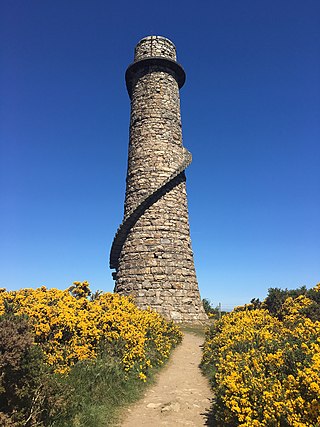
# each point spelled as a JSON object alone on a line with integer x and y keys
{"x": 155, "y": 46}
{"x": 154, "y": 52}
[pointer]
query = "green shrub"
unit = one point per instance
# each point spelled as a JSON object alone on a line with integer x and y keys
{"x": 98, "y": 389}
{"x": 37, "y": 330}
{"x": 276, "y": 297}
{"x": 263, "y": 364}
{"x": 30, "y": 394}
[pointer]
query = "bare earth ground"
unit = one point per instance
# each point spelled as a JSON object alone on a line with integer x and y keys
{"x": 181, "y": 395}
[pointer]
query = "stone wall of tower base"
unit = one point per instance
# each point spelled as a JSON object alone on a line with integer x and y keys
{"x": 156, "y": 263}
{"x": 176, "y": 306}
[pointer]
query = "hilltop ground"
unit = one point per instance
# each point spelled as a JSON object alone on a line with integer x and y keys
{"x": 181, "y": 394}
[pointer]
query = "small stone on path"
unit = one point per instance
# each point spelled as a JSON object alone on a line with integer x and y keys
{"x": 153, "y": 405}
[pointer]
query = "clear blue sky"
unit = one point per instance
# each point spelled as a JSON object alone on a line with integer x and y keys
{"x": 251, "y": 118}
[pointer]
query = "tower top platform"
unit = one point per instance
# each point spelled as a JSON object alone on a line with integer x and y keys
{"x": 156, "y": 52}
{"x": 155, "y": 46}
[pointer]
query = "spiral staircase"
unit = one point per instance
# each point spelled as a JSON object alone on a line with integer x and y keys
{"x": 130, "y": 220}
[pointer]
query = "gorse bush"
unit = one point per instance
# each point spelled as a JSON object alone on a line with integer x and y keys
{"x": 264, "y": 367}
{"x": 29, "y": 393}
{"x": 19, "y": 373}
{"x": 69, "y": 327}
{"x": 276, "y": 297}
{"x": 56, "y": 344}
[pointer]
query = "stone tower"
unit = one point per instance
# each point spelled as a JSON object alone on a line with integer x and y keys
{"x": 151, "y": 251}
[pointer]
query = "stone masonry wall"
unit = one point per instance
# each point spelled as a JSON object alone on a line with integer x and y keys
{"x": 155, "y": 46}
{"x": 156, "y": 260}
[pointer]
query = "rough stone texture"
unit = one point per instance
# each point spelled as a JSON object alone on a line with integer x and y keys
{"x": 155, "y": 46}
{"x": 152, "y": 251}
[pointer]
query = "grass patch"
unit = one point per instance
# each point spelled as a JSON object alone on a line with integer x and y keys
{"x": 196, "y": 329}
{"x": 95, "y": 394}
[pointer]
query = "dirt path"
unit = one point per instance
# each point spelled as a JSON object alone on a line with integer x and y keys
{"x": 181, "y": 395}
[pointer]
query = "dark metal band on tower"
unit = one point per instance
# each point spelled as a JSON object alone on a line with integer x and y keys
{"x": 151, "y": 251}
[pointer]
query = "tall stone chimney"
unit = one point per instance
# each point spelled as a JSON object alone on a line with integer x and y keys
{"x": 151, "y": 251}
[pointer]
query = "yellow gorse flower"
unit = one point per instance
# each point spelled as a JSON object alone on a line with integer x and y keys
{"x": 70, "y": 328}
{"x": 265, "y": 371}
